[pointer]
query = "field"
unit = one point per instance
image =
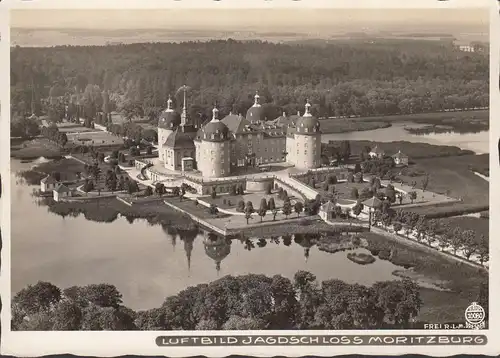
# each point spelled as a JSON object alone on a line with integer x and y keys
{"x": 67, "y": 127}
{"x": 461, "y": 279}
{"x": 95, "y": 138}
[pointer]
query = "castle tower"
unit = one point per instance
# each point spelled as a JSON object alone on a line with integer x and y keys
{"x": 307, "y": 138}
{"x": 214, "y": 148}
{"x": 167, "y": 123}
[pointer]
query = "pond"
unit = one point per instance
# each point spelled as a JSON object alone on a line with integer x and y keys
{"x": 148, "y": 263}
{"x": 477, "y": 142}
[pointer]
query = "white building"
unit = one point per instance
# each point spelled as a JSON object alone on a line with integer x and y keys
{"x": 60, "y": 192}
{"x": 47, "y": 184}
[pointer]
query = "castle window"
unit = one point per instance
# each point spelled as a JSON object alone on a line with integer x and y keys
{"x": 307, "y": 129}
{"x": 305, "y": 151}
{"x": 305, "y": 145}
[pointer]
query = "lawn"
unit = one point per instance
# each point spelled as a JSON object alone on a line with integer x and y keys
{"x": 199, "y": 210}
{"x": 231, "y": 201}
{"x": 463, "y": 280}
{"x": 66, "y": 167}
{"x": 96, "y": 139}
{"x": 452, "y": 176}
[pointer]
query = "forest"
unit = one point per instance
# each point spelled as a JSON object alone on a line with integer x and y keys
{"x": 340, "y": 79}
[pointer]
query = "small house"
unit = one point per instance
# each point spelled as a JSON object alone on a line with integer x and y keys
{"x": 400, "y": 159}
{"x": 371, "y": 204}
{"x": 376, "y": 152}
{"x": 48, "y": 184}
{"x": 61, "y": 191}
{"x": 327, "y": 211}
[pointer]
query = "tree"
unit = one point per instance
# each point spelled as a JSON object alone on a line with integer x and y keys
{"x": 469, "y": 243}
{"x": 248, "y": 215}
{"x": 354, "y": 193}
{"x": 102, "y": 295}
{"x": 213, "y": 209}
{"x": 412, "y": 195}
{"x": 271, "y": 205}
{"x": 457, "y": 239}
{"x": 214, "y": 193}
{"x": 397, "y": 227}
{"x": 148, "y": 191}
{"x": 298, "y": 207}
{"x": 263, "y": 204}
{"x": 357, "y": 209}
{"x": 232, "y": 190}
{"x": 275, "y": 212}
{"x": 244, "y": 323}
{"x": 425, "y": 182}
{"x": 67, "y": 316}
{"x": 241, "y": 206}
{"x": 262, "y": 213}
{"x": 36, "y": 298}
{"x": 287, "y": 208}
{"x": 483, "y": 249}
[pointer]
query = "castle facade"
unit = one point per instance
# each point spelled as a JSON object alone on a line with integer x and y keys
{"x": 221, "y": 145}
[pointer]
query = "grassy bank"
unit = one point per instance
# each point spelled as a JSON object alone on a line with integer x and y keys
{"x": 462, "y": 280}
{"x": 413, "y": 150}
{"x": 441, "y": 118}
{"x": 345, "y": 125}
{"x": 481, "y": 226}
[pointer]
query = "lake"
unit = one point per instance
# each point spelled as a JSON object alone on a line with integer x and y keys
{"x": 147, "y": 263}
{"x": 477, "y": 142}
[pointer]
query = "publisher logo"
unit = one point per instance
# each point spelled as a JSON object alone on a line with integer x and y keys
{"x": 474, "y": 316}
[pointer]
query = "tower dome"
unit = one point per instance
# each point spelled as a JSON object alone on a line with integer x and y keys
{"x": 307, "y": 124}
{"x": 217, "y": 248}
{"x": 256, "y": 112}
{"x": 215, "y": 130}
{"x": 169, "y": 118}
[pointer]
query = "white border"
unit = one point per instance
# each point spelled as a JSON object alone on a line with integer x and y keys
{"x": 143, "y": 343}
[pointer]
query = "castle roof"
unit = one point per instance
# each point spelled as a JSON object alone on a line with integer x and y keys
{"x": 236, "y": 124}
{"x": 169, "y": 118}
{"x": 215, "y": 130}
{"x": 256, "y": 112}
{"x": 179, "y": 139}
{"x": 373, "y": 202}
{"x": 307, "y": 124}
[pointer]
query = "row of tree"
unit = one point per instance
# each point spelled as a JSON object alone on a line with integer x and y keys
{"x": 230, "y": 303}
{"x": 432, "y": 231}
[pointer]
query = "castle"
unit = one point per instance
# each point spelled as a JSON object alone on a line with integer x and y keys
{"x": 221, "y": 145}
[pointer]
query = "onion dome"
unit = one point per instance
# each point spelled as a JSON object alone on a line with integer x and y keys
{"x": 179, "y": 139}
{"x": 169, "y": 119}
{"x": 256, "y": 112}
{"x": 307, "y": 124}
{"x": 215, "y": 130}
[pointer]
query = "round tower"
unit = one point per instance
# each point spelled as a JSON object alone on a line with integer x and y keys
{"x": 167, "y": 123}
{"x": 307, "y": 141}
{"x": 215, "y": 148}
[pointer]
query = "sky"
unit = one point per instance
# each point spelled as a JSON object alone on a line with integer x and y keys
{"x": 48, "y": 27}
{"x": 242, "y": 18}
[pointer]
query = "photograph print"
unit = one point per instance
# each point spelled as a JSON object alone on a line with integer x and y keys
{"x": 249, "y": 169}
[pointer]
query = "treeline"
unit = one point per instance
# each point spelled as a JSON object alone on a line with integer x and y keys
{"x": 230, "y": 303}
{"x": 340, "y": 79}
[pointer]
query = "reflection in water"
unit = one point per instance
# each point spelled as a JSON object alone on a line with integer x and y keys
{"x": 140, "y": 261}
